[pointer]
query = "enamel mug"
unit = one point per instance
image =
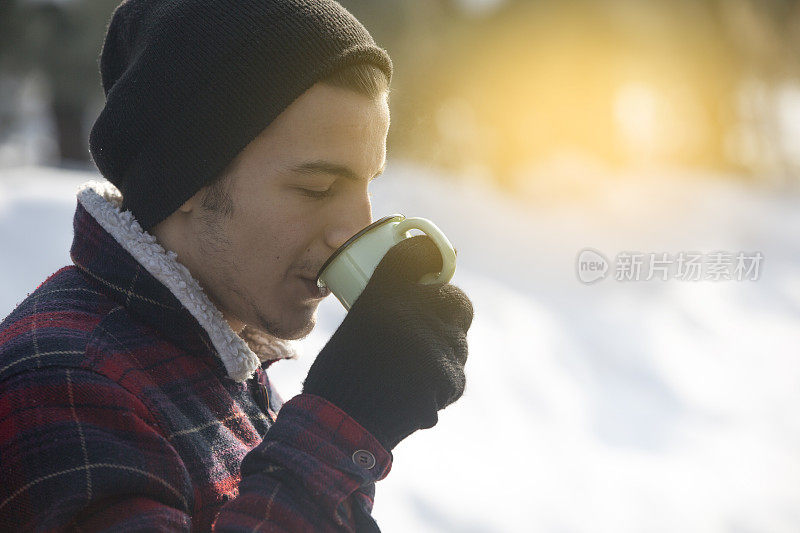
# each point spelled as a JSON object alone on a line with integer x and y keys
{"x": 347, "y": 272}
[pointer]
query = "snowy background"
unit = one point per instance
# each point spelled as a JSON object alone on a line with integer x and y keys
{"x": 659, "y": 406}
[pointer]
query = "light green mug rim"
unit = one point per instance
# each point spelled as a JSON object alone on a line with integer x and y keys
{"x": 352, "y": 239}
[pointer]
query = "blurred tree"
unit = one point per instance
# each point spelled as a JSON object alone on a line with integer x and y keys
{"x": 765, "y": 35}
{"x": 529, "y": 79}
{"x": 62, "y": 40}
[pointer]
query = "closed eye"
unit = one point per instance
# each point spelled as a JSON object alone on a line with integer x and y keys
{"x": 323, "y": 194}
{"x": 316, "y": 194}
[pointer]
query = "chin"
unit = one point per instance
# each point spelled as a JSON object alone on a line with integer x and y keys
{"x": 298, "y": 333}
{"x": 289, "y": 330}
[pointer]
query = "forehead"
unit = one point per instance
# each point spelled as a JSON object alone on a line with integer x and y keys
{"x": 329, "y": 123}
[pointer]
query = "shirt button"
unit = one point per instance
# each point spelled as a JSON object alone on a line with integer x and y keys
{"x": 364, "y": 459}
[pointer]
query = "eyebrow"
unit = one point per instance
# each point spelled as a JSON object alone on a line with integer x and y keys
{"x": 326, "y": 167}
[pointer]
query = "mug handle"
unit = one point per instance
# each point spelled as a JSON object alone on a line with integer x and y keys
{"x": 441, "y": 241}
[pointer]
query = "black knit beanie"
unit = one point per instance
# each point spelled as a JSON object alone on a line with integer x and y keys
{"x": 189, "y": 83}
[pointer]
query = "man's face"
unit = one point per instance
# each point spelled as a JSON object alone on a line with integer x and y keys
{"x": 252, "y": 262}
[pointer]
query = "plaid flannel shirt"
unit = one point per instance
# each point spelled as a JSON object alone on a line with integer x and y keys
{"x": 116, "y": 413}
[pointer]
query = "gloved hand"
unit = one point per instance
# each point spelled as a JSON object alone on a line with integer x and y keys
{"x": 398, "y": 357}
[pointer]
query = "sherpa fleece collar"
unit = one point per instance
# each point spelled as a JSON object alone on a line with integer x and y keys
{"x": 240, "y": 354}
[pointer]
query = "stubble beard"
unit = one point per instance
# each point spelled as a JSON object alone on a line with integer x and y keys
{"x": 213, "y": 244}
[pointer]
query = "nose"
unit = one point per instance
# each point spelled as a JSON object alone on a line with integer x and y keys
{"x": 347, "y": 223}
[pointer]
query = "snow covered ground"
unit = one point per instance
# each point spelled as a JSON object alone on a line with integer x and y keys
{"x": 658, "y": 406}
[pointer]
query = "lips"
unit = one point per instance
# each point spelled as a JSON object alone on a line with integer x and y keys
{"x": 313, "y": 290}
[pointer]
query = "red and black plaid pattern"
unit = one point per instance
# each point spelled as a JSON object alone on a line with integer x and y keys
{"x": 116, "y": 412}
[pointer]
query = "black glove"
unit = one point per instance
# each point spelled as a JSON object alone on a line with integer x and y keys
{"x": 398, "y": 357}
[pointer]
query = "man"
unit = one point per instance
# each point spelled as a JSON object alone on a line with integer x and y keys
{"x": 238, "y": 140}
